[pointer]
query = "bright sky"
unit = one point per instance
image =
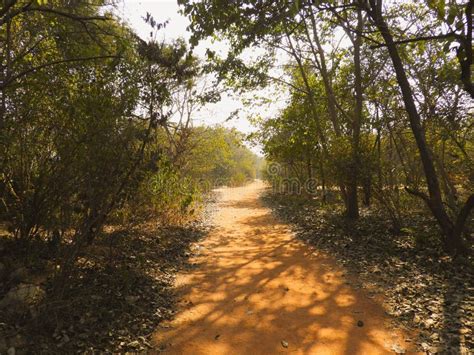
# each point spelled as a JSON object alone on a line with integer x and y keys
{"x": 133, "y": 12}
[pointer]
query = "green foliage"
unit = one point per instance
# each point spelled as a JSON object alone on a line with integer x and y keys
{"x": 346, "y": 122}
{"x": 174, "y": 189}
{"x": 218, "y": 157}
{"x": 172, "y": 198}
{"x": 87, "y": 108}
{"x": 56, "y": 169}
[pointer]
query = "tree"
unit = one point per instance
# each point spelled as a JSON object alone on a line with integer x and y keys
{"x": 299, "y": 25}
{"x": 452, "y": 229}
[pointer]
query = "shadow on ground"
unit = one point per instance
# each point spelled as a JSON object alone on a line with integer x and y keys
{"x": 422, "y": 286}
{"x": 257, "y": 290}
{"x": 120, "y": 291}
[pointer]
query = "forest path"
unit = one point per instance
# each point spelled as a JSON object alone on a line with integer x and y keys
{"x": 258, "y": 290}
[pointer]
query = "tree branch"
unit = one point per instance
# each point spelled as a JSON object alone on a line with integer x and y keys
{"x": 418, "y": 39}
{"x": 57, "y": 62}
{"x": 418, "y": 193}
{"x": 6, "y": 16}
{"x": 463, "y": 215}
{"x": 66, "y": 14}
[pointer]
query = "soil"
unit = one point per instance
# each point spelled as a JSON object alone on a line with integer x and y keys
{"x": 256, "y": 289}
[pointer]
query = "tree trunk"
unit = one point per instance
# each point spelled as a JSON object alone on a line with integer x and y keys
{"x": 352, "y": 200}
{"x": 367, "y": 186}
{"x": 320, "y": 58}
{"x": 452, "y": 241}
{"x": 309, "y": 166}
{"x": 348, "y": 193}
{"x": 323, "y": 181}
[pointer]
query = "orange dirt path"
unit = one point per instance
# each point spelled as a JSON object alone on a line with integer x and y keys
{"x": 256, "y": 289}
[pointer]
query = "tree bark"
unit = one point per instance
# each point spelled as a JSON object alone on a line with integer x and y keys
{"x": 320, "y": 59}
{"x": 352, "y": 198}
{"x": 452, "y": 240}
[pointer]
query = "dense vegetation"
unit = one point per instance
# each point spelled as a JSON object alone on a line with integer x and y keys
{"x": 98, "y": 146}
{"x": 380, "y": 98}
{"x": 96, "y": 130}
{"x": 371, "y": 157}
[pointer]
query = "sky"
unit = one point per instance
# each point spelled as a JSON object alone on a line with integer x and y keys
{"x": 133, "y": 12}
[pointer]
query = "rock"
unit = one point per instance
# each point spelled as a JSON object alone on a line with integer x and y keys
{"x": 217, "y": 337}
{"x": 360, "y": 323}
{"x": 284, "y": 343}
{"x": 22, "y": 295}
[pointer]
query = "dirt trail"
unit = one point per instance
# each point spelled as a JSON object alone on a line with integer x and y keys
{"x": 256, "y": 289}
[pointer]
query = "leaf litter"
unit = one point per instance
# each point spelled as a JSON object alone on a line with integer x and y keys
{"x": 422, "y": 287}
{"x": 121, "y": 291}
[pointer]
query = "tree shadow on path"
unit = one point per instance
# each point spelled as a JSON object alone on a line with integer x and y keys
{"x": 257, "y": 290}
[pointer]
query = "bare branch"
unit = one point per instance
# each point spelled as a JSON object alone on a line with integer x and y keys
{"x": 418, "y": 39}
{"x": 418, "y": 193}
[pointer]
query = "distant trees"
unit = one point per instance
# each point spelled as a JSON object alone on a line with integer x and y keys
{"x": 377, "y": 102}
{"x": 212, "y": 157}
